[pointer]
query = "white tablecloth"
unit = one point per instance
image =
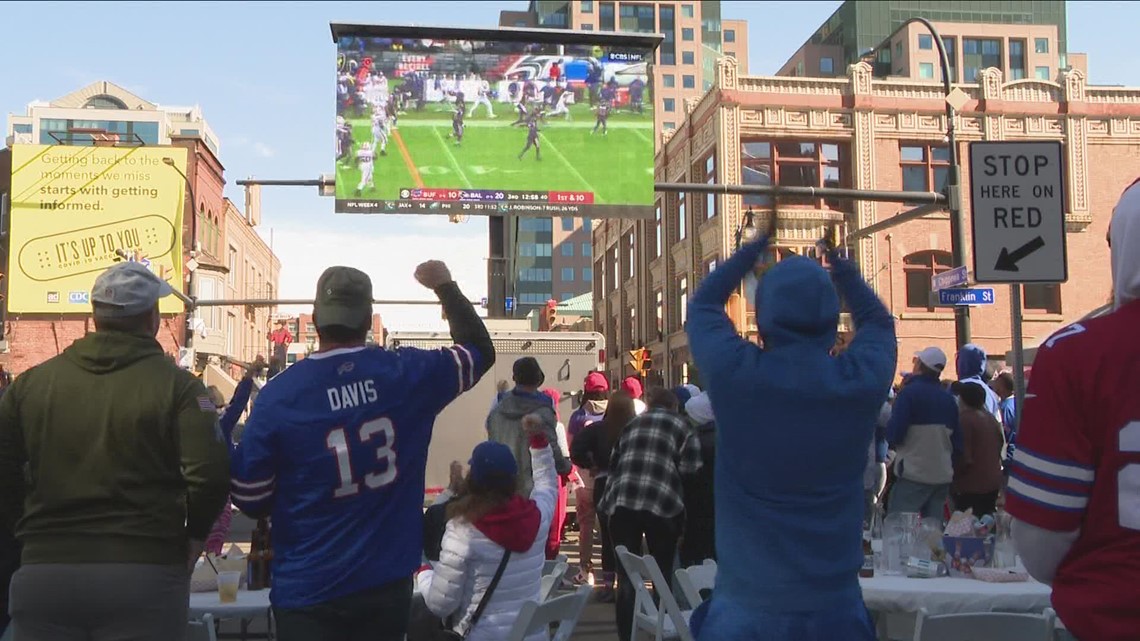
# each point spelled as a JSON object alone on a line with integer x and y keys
{"x": 948, "y": 595}
{"x": 249, "y": 605}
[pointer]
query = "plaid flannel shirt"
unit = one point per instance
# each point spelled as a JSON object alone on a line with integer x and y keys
{"x": 654, "y": 451}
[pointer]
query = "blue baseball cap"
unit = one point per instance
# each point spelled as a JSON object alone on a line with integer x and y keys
{"x": 492, "y": 463}
{"x": 127, "y": 289}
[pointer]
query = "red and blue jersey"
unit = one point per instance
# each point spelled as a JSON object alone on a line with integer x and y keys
{"x": 335, "y": 453}
{"x": 1077, "y": 467}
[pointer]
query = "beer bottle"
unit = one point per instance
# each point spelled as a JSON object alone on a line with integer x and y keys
{"x": 267, "y": 553}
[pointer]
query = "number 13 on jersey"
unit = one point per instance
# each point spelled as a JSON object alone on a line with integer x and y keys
{"x": 383, "y": 472}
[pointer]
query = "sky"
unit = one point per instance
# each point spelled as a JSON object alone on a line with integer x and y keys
{"x": 263, "y": 75}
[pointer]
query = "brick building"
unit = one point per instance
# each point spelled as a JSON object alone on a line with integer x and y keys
{"x": 305, "y": 339}
{"x": 867, "y": 133}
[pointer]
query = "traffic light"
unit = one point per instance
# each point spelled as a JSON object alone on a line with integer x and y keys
{"x": 549, "y": 316}
{"x": 641, "y": 360}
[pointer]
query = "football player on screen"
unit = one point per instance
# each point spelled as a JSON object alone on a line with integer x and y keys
{"x": 483, "y": 97}
{"x": 366, "y": 160}
{"x": 380, "y": 131}
{"x": 343, "y": 140}
{"x": 457, "y": 127}
{"x": 532, "y": 139}
{"x": 603, "y": 114}
{"x": 561, "y": 105}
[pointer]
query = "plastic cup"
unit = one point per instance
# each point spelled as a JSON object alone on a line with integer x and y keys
{"x": 228, "y": 583}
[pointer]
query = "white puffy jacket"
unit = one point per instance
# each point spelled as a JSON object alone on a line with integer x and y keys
{"x": 468, "y": 560}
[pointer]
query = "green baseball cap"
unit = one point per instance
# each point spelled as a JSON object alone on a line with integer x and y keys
{"x": 344, "y": 297}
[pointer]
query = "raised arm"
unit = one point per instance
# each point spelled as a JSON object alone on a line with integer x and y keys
{"x": 713, "y": 339}
{"x": 874, "y": 347}
{"x": 467, "y": 329}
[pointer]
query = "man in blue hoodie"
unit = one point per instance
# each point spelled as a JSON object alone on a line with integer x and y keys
{"x": 794, "y": 424}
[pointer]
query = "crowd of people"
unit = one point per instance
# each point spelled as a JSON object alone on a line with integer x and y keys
{"x": 116, "y": 465}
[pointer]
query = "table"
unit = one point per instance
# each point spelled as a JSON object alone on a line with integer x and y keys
{"x": 887, "y": 597}
{"x": 950, "y": 595}
{"x": 249, "y": 606}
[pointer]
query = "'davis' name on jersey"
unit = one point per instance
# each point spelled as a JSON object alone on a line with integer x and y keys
{"x": 352, "y": 395}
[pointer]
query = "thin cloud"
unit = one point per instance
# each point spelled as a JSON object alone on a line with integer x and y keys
{"x": 264, "y": 150}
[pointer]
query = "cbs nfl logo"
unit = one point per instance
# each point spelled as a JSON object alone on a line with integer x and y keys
{"x": 53, "y": 297}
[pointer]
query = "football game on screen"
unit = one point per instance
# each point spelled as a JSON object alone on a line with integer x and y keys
{"x": 493, "y": 127}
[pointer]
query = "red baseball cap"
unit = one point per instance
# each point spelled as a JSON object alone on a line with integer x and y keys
{"x": 596, "y": 382}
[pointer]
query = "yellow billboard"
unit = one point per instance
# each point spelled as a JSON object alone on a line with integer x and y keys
{"x": 75, "y": 211}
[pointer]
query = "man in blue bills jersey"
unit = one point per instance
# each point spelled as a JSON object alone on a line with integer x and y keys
{"x": 335, "y": 452}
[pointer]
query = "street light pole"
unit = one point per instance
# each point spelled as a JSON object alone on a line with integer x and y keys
{"x": 953, "y": 184}
{"x": 188, "y": 335}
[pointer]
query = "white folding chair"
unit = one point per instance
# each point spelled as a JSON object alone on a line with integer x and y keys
{"x": 666, "y": 621}
{"x": 549, "y": 566}
{"x": 693, "y": 580}
{"x": 983, "y": 626}
{"x": 201, "y": 629}
{"x": 563, "y": 611}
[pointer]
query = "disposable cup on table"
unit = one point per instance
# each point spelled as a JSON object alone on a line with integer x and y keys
{"x": 228, "y": 583}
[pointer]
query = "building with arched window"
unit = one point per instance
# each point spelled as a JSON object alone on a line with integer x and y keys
{"x": 858, "y": 132}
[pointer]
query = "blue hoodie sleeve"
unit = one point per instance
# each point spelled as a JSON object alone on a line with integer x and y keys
{"x": 900, "y": 420}
{"x": 713, "y": 339}
{"x": 874, "y": 346}
{"x": 236, "y": 407}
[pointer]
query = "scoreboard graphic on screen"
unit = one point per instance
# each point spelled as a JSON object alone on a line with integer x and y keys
{"x": 492, "y": 122}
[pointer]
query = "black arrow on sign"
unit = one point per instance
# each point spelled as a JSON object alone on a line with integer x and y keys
{"x": 1007, "y": 261}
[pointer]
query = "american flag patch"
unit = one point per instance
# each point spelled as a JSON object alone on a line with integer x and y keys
{"x": 206, "y": 405}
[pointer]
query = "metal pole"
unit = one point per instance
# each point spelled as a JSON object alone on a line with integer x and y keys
{"x": 874, "y": 195}
{"x": 270, "y": 302}
{"x": 319, "y": 182}
{"x": 953, "y": 185}
{"x": 897, "y": 219}
{"x": 1018, "y": 349}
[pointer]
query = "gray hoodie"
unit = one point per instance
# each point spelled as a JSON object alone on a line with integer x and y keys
{"x": 504, "y": 425}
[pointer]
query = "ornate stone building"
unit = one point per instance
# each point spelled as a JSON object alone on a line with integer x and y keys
{"x": 858, "y": 132}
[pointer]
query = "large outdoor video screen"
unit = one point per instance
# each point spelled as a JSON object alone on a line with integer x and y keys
{"x": 493, "y": 122}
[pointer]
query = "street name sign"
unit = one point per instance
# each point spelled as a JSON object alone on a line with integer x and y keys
{"x": 951, "y": 278}
{"x": 971, "y": 296}
{"x": 1018, "y": 209}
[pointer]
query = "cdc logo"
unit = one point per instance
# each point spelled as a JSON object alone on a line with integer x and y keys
{"x": 78, "y": 298}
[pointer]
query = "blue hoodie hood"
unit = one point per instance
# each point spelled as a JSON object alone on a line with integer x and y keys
{"x": 971, "y": 362}
{"x": 797, "y": 303}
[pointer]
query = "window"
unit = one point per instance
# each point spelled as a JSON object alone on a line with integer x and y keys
{"x": 800, "y": 69}
{"x": 826, "y": 66}
{"x": 687, "y": 10}
{"x": 534, "y": 250}
{"x": 587, "y": 27}
{"x": 687, "y": 58}
{"x": 730, "y": 35}
{"x": 630, "y": 255}
{"x": 1041, "y": 73}
{"x": 668, "y": 48}
{"x": 231, "y": 277}
{"x": 801, "y": 164}
{"x": 633, "y": 337}
{"x": 668, "y": 125}
{"x": 924, "y": 168}
{"x": 710, "y": 179}
{"x": 687, "y": 34}
{"x": 533, "y": 298}
{"x": 606, "y": 16}
{"x": 637, "y": 17}
{"x": 1041, "y": 45}
{"x": 586, "y": 6}
{"x": 568, "y": 274}
{"x": 683, "y": 299}
{"x": 659, "y": 310}
{"x": 670, "y": 104}
{"x": 1016, "y": 59}
{"x": 231, "y": 333}
{"x": 978, "y": 54}
{"x": 950, "y": 43}
{"x": 567, "y": 249}
{"x": 587, "y": 250}
{"x": 710, "y": 265}
{"x": 657, "y": 231}
{"x": 919, "y": 268}
{"x": 898, "y": 49}
{"x": 535, "y": 224}
{"x": 926, "y": 70}
{"x": 567, "y": 223}
{"x": 1042, "y": 299}
{"x": 688, "y": 82}
{"x": 587, "y": 274}
{"x": 614, "y": 275}
{"x": 588, "y": 224}
{"x": 534, "y": 275}
{"x": 669, "y": 80}
{"x": 925, "y": 41}
{"x": 681, "y": 217}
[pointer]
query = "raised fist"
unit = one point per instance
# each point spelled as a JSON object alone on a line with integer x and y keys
{"x": 432, "y": 274}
